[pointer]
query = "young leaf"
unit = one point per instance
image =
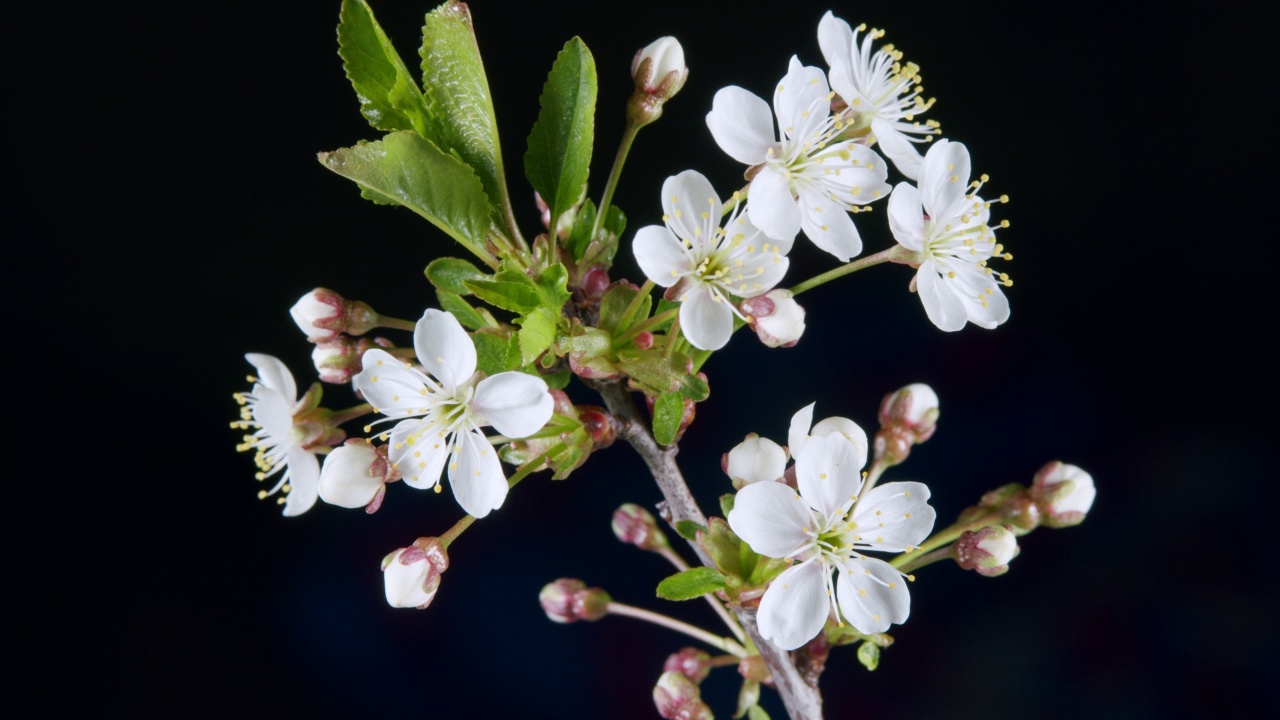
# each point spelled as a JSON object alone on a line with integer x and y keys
{"x": 690, "y": 584}
{"x": 869, "y": 655}
{"x": 614, "y": 221}
{"x": 517, "y": 297}
{"x": 559, "y": 154}
{"x": 688, "y": 529}
{"x": 755, "y": 712}
{"x": 389, "y": 98}
{"x": 454, "y": 82}
{"x": 467, "y": 315}
{"x": 580, "y": 233}
{"x": 553, "y": 286}
{"x": 404, "y": 169}
{"x": 537, "y": 332}
{"x": 449, "y": 274}
{"x": 614, "y": 304}
{"x": 668, "y": 411}
{"x": 494, "y": 353}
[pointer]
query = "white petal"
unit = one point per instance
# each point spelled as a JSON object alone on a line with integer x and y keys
{"x": 944, "y": 177}
{"x": 274, "y": 374}
{"x": 692, "y": 207}
{"x": 476, "y": 475}
{"x": 444, "y": 348}
{"x": 771, "y": 518}
{"x": 906, "y": 216}
{"x": 756, "y": 460}
{"x": 872, "y": 595}
{"x": 304, "y": 481}
{"x": 390, "y": 387}
{"x": 898, "y": 148}
{"x": 851, "y": 432}
{"x": 799, "y": 430}
{"x": 705, "y": 320}
{"x": 516, "y": 404}
{"x": 418, "y": 451}
{"x": 835, "y": 39}
{"x": 659, "y": 255}
{"x": 270, "y": 410}
{"x": 800, "y": 101}
{"x": 984, "y": 303}
{"x": 345, "y": 480}
{"x": 795, "y": 607}
{"x": 827, "y": 474}
{"x": 895, "y": 516}
{"x": 941, "y": 305}
{"x": 829, "y": 226}
{"x": 756, "y": 265}
{"x": 741, "y": 124}
{"x": 404, "y": 584}
{"x": 773, "y": 207}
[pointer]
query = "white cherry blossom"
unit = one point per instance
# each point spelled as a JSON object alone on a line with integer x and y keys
{"x": 803, "y": 180}
{"x": 947, "y": 227}
{"x": 282, "y": 447}
{"x": 442, "y": 410}
{"x": 704, "y": 264}
{"x": 882, "y": 93}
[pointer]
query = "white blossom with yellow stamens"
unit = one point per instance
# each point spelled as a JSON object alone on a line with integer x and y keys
{"x": 281, "y": 446}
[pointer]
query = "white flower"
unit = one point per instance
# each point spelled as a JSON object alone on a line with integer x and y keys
{"x": 454, "y": 402}
{"x": 947, "y": 226}
{"x": 779, "y": 319}
{"x": 754, "y": 460}
{"x": 823, "y": 530}
{"x": 802, "y": 182}
{"x": 703, "y": 263}
{"x": 281, "y": 446}
{"x": 411, "y": 576}
{"x": 881, "y": 92}
{"x": 799, "y": 432}
{"x": 354, "y": 476}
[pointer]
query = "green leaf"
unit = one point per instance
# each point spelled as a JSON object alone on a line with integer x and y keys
{"x": 690, "y": 584}
{"x": 580, "y": 233}
{"x": 694, "y": 388}
{"x": 726, "y": 503}
{"x": 495, "y": 354}
{"x": 389, "y": 98}
{"x": 755, "y": 712}
{"x": 407, "y": 170}
{"x": 614, "y": 221}
{"x": 663, "y": 306}
{"x": 514, "y": 296}
{"x": 449, "y": 274}
{"x": 723, "y": 546}
{"x": 558, "y": 380}
{"x": 553, "y": 286}
{"x": 460, "y": 309}
{"x": 668, "y": 411}
{"x": 454, "y": 82}
{"x": 559, "y": 155}
{"x": 615, "y": 302}
{"x": 869, "y": 655}
{"x": 688, "y": 529}
{"x": 537, "y": 332}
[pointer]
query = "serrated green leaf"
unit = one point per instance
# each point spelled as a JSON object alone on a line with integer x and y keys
{"x": 407, "y": 170}
{"x": 537, "y": 332}
{"x": 580, "y": 233}
{"x": 450, "y": 274}
{"x": 559, "y": 155}
{"x": 553, "y": 286}
{"x": 690, "y": 584}
{"x": 495, "y": 354}
{"x": 869, "y": 655}
{"x": 668, "y": 411}
{"x": 694, "y": 388}
{"x": 688, "y": 529}
{"x": 454, "y": 82}
{"x": 614, "y": 304}
{"x": 460, "y": 309}
{"x": 513, "y": 296}
{"x": 389, "y": 98}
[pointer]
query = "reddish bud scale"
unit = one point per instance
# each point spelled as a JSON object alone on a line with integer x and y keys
{"x": 595, "y": 282}
{"x": 690, "y": 662}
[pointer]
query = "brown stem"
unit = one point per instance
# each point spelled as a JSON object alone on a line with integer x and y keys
{"x": 802, "y": 700}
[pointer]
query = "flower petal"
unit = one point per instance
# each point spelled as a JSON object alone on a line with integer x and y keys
{"x": 659, "y": 255}
{"x": 773, "y": 207}
{"x": 756, "y": 460}
{"x": 944, "y": 176}
{"x": 419, "y": 450}
{"x": 771, "y": 518}
{"x": 444, "y": 348}
{"x": 755, "y": 263}
{"x": 271, "y": 411}
{"x": 516, "y": 404}
{"x": 941, "y": 304}
{"x": 705, "y": 320}
{"x": 274, "y": 374}
{"x": 894, "y": 516}
{"x": 984, "y": 303}
{"x": 692, "y": 207}
{"x": 835, "y": 40}
{"x": 392, "y": 388}
{"x": 851, "y": 432}
{"x": 476, "y": 475}
{"x": 304, "y": 481}
{"x": 795, "y": 607}
{"x": 828, "y": 225}
{"x": 344, "y": 478}
{"x": 799, "y": 430}
{"x": 906, "y": 216}
{"x": 828, "y": 474}
{"x": 741, "y": 124}
{"x": 898, "y": 148}
{"x": 872, "y": 594}
{"x": 801, "y": 103}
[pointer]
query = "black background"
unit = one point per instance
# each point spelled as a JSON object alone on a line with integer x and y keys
{"x": 177, "y": 211}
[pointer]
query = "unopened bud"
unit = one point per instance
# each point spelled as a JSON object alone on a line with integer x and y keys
{"x": 355, "y": 475}
{"x": 595, "y": 282}
{"x": 338, "y": 360}
{"x": 568, "y": 600}
{"x": 753, "y": 667}
{"x": 778, "y": 318}
{"x": 677, "y": 698}
{"x": 690, "y": 662}
{"x": 598, "y": 423}
{"x": 643, "y": 340}
{"x": 1063, "y": 493}
{"x": 324, "y": 315}
{"x": 412, "y": 575}
{"x": 659, "y": 72}
{"x": 634, "y": 525}
{"x": 987, "y": 551}
{"x": 908, "y": 417}
{"x": 754, "y": 460}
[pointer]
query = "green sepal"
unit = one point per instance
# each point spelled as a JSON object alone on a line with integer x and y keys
{"x": 451, "y": 274}
{"x": 389, "y": 98}
{"x": 690, "y": 584}
{"x": 496, "y": 353}
{"x": 559, "y": 155}
{"x": 668, "y": 411}
{"x": 688, "y": 529}
{"x": 462, "y": 310}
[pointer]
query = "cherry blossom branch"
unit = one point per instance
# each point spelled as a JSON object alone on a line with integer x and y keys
{"x": 864, "y": 262}
{"x": 802, "y": 700}
{"x": 679, "y": 563}
{"x": 945, "y": 536}
{"x": 720, "y": 643}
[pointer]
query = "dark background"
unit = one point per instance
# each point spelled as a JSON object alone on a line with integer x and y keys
{"x": 178, "y": 211}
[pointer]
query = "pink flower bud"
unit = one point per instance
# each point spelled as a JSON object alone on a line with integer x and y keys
{"x": 599, "y": 425}
{"x": 595, "y": 282}
{"x": 1063, "y": 493}
{"x": 634, "y": 525}
{"x": 690, "y": 662}
{"x": 643, "y": 340}
{"x": 659, "y": 69}
{"x": 908, "y": 417}
{"x": 411, "y": 575}
{"x": 568, "y": 600}
{"x": 324, "y": 314}
{"x": 677, "y": 698}
{"x": 988, "y": 551}
{"x": 355, "y": 475}
{"x": 754, "y": 460}
{"x": 778, "y": 318}
{"x": 338, "y": 360}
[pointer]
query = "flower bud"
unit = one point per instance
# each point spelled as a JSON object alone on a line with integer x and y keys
{"x": 754, "y": 460}
{"x": 988, "y": 551}
{"x": 634, "y": 525}
{"x": 1063, "y": 493}
{"x": 778, "y": 318}
{"x": 753, "y": 667}
{"x": 355, "y": 475}
{"x": 659, "y": 72}
{"x": 643, "y": 340}
{"x": 599, "y": 424}
{"x": 324, "y": 315}
{"x": 677, "y": 698}
{"x": 338, "y": 360}
{"x": 690, "y": 662}
{"x": 595, "y": 282}
{"x": 412, "y": 575}
{"x": 907, "y": 417}
{"x": 568, "y": 600}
